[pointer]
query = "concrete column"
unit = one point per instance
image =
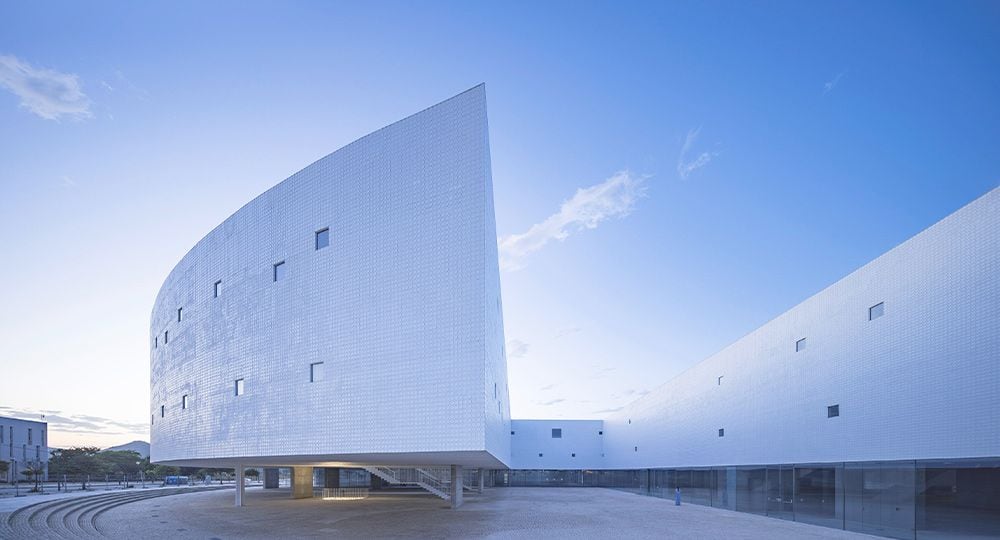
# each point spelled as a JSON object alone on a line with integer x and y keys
{"x": 240, "y": 485}
{"x": 481, "y": 477}
{"x": 302, "y": 482}
{"x": 331, "y": 477}
{"x": 270, "y": 478}
{"x": 456, "y": 486}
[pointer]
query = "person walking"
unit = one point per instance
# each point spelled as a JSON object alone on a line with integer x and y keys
{"x": 677, "y": 496}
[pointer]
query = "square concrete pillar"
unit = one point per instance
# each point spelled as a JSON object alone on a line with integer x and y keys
{"x": 302, "y": 482}
{"x": 456, "y": 486}
{"x": 270, "y": 478}
{"x": 481, "y": 480}
{"x": 240, "y": 485}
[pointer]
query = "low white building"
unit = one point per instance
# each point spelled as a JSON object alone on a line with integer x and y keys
{"x": 23, "y": 445}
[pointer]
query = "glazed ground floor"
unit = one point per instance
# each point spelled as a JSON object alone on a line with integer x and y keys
{"x": 921, "y": 499}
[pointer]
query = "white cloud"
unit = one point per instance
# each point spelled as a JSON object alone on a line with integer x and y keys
{"x": 830, "y": 84}
{"x": 614, "y": 197}
{"x": 516, "y": 349}
{"x": 45, "y": 92}
{"x": 686, "y": 166}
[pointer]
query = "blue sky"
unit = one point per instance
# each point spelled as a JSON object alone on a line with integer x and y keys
{"x": 668, "y": 177}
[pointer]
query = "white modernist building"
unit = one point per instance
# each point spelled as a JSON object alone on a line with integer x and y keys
{"x": 23, "y": 446}
{"x": 351, "y": 317}
{"x": 351, "y": 314}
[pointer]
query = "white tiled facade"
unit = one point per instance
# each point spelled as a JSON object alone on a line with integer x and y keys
{"x": 23, "y": 444}
{"x": 402, "y": 308}
{"x": 920, "y": 382}
{"x": 534, "y": 444}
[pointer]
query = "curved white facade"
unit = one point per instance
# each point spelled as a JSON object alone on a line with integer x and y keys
{"x": 402, "y": 309}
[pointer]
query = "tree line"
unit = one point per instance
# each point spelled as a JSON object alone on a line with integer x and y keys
{"x": 90, "y": 460}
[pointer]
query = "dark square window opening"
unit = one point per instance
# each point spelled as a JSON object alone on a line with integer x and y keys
{"x": 722, "y": 432}
{"x": 322, "y": 238}
{"x": 556, "y": 433}
{"x": 800, "y": 345}
{"x": 832, "y": 411}
{"x": 876, "y": 311}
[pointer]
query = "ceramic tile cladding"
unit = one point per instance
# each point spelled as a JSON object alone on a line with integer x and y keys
{"x": 403, "y": 308}
{"x": 920, "y": 381}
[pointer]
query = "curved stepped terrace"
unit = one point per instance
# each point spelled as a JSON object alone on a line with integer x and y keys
{"x": 76, "y": 517}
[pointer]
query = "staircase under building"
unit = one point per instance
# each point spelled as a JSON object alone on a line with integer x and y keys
{"x": 434, "y": 480}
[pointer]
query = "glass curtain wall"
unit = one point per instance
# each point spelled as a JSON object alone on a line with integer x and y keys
{"x": 921, "y": 500}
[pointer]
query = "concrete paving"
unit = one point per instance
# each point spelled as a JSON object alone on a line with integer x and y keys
{"x": 571, "y": 513}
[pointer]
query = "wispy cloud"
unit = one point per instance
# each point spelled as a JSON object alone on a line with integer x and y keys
{"x": 516, "y": 348}
{"x": 551, "y": 402}
{"x": 547, "y": 387}
{"x": 563, "y": 332}
{"x": 608, "y": 410}
{"x": 613, "y": 198}
{"x": 77, "y": 423}
{"x": 47, "y": 93}
{"x": 687, "y": 164}
{"x": 829, "y": 85}
{"x": 67, "y": 182}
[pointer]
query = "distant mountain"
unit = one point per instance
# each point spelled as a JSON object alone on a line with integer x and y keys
{"x": 142, "y": 447}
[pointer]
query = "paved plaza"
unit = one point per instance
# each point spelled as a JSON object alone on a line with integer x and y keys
{"x": 572, "y": 513}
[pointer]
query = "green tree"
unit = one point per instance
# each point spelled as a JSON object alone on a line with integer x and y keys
{"x": 80, "y": 460}
{"x": 120, "y": 461}
{"x": 31, "y": 472}
{"x": 163, "y": 470}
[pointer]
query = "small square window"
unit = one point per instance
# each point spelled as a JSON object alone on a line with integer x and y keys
{"x": 166, "y": 336}
{"x": 722, "y": 432}
{"x": 572, "y": 455}
{"x": 636, "y": 448}
{"x": 316, "y": 372}
{"x": 322, "y": 238}
{"x": 718, "y": 380}
{"x": 600, "y": 432}
{"x": 539, "y": 454}
{"x": 876, "y": 311}
{"x": 179, "y": 311}
{"x": 556, "y": 433}
{"x": 184, "y": 401}
{"x": 832, "y": 411}
{"x": 279, "y": 271}
{"x": 156, "y": 342}
{"x": 163, "y": 411}
{"x": 800, "y": 345}
{"x": 511, "y": 432}
{"x": 217, "y": 288}
{"x": 239, "y": 387}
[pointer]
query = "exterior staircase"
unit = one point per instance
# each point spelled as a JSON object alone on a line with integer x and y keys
{"x": 436, "y": 481}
